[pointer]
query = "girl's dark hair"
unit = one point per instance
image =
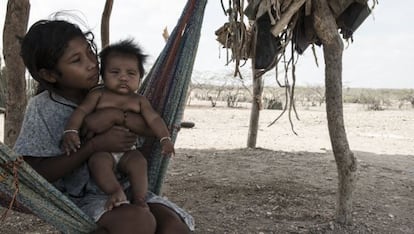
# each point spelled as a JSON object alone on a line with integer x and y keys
{"x": 45, "y": 43}
{"x": 123, "y": 47}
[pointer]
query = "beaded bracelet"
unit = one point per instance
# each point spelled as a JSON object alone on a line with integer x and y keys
{"x": 165, "y": 138}
{"x": 71, "y": 130}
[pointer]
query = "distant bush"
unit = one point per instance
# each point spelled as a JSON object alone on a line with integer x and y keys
{"x": 272, "y": 104}
{"x": 232, "y": 100}
{"x": 376, "y": 99}
{"x": 375, "y": 107}
{"x": 409, "y": 97}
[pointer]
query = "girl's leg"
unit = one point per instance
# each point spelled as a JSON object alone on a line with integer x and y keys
{"x": 127, "y": 219}
{"x": 101, "y": 166}
{"x": 134, "y": 164}
{"x": 167, "y": 220}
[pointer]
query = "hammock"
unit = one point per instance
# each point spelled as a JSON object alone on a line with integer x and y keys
{"x": 165, "y": 86}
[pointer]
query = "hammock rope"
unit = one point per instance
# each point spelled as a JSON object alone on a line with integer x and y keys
{"x": 167, "y": 83}
{"x": 165, "y": 86}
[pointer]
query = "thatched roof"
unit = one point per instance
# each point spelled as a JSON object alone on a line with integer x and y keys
{"x": 273, "y": 24}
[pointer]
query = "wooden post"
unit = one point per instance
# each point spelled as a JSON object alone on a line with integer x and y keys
{"x": 15, "y": 26}
{"x": 106, "y": 16}
{"x": 255, "y": 109}
{"x": 326, "y": 29}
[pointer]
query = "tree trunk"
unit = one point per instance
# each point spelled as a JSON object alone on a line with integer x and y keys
{"x": 327, "y": 31}
{"x": 255, "y": 109}
{"x": 106, "y": 15}
{"x": 15, "y": 25}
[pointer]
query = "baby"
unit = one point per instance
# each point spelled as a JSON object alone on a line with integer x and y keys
{"x": 121, "y": 70}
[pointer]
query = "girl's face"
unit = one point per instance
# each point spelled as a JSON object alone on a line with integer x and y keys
{"x": 78, "y": 68}
{"x": 121, "y": 74}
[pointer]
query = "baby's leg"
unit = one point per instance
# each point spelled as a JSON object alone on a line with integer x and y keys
{"x": 134, "y": 164}
{"x": 101, "y": 166}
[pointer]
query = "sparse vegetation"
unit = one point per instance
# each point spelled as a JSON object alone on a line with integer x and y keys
{"x": 272, "y": 104}
{"x": 408, "y": 97}
{"x": 274, "y": 97}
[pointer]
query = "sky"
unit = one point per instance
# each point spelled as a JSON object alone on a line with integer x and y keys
{"x": 381, "y": 55}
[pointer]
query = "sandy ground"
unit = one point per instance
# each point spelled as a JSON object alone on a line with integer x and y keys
{"x": 381, "y": 132}
{"x": 288, "y": 184}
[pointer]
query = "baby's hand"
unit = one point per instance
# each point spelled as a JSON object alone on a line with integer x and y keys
{"x": 167, "y": 147}
{"x": 71, "y": 141}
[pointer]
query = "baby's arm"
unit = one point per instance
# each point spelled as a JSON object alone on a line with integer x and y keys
{"x": 157, "y": 124}
{"x": 137, "y": 124}
{"x": 71, "y": 140}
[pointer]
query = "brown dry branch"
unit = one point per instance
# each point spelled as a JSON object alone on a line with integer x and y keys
{"x": 106, "y": 16}
{"x": 286, "y": 17}
{"x": 314, "y": 55}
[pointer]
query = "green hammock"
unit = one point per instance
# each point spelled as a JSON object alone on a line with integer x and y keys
{"x": 165, "y": 86}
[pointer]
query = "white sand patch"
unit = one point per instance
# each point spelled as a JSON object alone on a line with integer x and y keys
{"x": 381, "y": 132}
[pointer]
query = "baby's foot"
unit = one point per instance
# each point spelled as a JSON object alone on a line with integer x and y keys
{"x": 116, "y": 199}
{"x": 140, "y": 201}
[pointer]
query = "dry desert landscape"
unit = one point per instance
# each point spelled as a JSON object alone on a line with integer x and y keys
{"x": 288, "y": 183}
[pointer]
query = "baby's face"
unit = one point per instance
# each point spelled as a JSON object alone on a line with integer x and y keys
{"x": 121, "y": 74}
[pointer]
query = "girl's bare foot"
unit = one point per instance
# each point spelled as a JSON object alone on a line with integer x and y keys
{"x": 116, "y": 199}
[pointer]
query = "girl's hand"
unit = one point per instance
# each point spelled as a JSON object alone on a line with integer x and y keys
{"x": 116, "y": 139}
{"x": 102, "y": 119}
{"x": 71, "y": 142}
{"x": 136, "y": 123}
{"x": 167, "y": 148}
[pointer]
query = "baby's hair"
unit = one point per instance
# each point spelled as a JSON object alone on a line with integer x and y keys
{"x": 44, "y": 44}
{"x": 124, "y": 47}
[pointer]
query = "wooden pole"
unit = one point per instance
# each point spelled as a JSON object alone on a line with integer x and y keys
{"x": 326, "y": 29}
{"x": 15, "y": 26}
{"x": 106, "y": 16}
{"x": 255, "y": 109}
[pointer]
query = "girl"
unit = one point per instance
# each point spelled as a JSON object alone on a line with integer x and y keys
{"x": 63, "y": 60}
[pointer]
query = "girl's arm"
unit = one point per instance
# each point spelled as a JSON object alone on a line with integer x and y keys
{"x": 54, "y": 168}
{"x": 102, "y": 119}
{"x": 116, "y": 139}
